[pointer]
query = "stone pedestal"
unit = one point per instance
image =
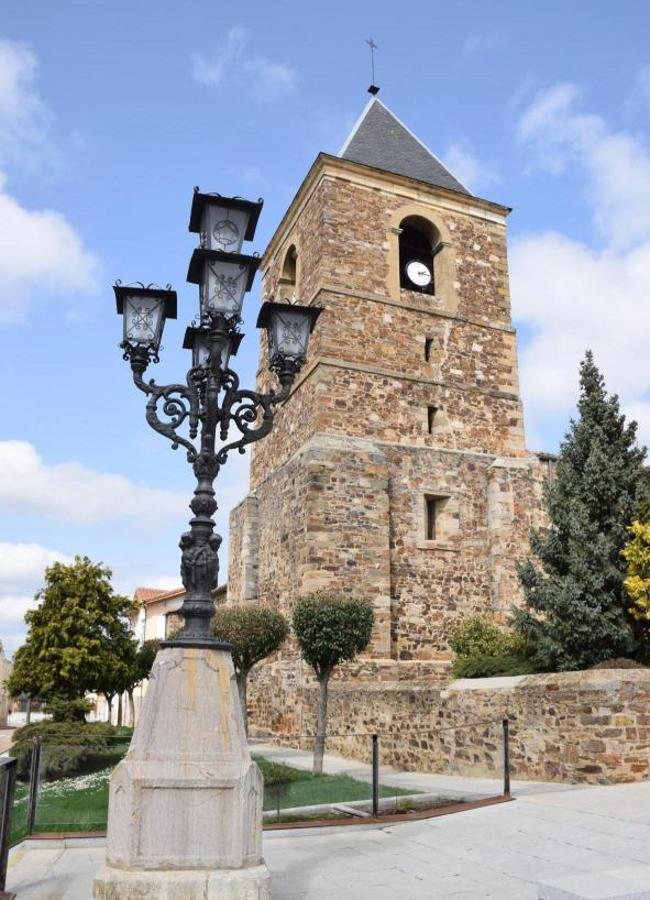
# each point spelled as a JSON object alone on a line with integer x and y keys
{"x": 185, "y": 811}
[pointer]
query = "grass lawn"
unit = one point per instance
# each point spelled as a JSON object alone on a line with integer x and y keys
{"x": 78, "y": 803}
{"x": 81, "y": 803}
{"x": 299, "y": 787}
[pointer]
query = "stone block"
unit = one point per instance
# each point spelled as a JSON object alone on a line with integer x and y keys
{"x": 627, "y": 883}
{"x": 185, "y": 810}
{"x": 253, "y": 883}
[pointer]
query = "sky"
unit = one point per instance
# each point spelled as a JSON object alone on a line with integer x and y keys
{"x": 110, "y": 113}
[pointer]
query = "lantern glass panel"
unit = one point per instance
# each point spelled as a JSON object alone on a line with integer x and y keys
{"x": 289, "y": 333}
{"x": 200, "y": 349}
{"x": 144, "y": 318}
{"x": 223, "y": 287}
{"x": 223, "y": 228}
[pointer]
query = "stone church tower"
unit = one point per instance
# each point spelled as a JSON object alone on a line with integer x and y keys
{"x": 397, "y": 470}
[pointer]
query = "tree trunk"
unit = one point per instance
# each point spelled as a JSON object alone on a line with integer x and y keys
{"x": 242, "y": 684}
{"x": 119, "y": 709}
{"x": 131, "y": 710}
{"x": 109, "y": 703}
{"x": 321, "y": 724}
{"x": 28, "y": 711}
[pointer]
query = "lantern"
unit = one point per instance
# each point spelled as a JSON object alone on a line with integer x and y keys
{"x": 144, "y": 311}
{"x": 224, "y": 278}
{"x": 288, "y": 327}
{"x": 223, "y": 223}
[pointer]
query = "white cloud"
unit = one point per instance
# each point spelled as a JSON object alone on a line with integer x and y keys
{"x": 638, "y": 100}
{"x": 483, "y": 42}
{"x": 22, "y": 567}
{"x": 40, "y": 252}
{"x": 468, "y": 168}
{"x": 615, "y": 165}
{"x": 572, "y": 295}
{"x": 210, "y": 70}
{"x": 265, "y": 80}
{"x": 12, "y": 620}
{"x": 74, "y": 493}
{"x": 23, "y": 115}
{"x": 271, "y": 81}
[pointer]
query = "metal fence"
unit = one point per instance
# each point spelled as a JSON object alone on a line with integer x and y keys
{"x": 409, "y": 772}
{"x": 7, "y": 787}
{"x": 62, "y": 787}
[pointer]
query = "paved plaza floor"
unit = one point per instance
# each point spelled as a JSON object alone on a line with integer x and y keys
{"x": 500, "y": 851}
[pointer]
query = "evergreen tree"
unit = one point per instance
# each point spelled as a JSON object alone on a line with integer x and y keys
{"x": 78, "y": 633}
{"x": 577, "y": 610}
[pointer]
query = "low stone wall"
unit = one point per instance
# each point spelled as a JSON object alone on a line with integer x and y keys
{"x": 571, "y": 727}
{"x": 591, "y": 726}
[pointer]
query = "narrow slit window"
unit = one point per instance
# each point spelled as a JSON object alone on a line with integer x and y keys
{"x": 432, "y": 412}
{"x": 430, "y": 523}
{"x": 428, "y": 347}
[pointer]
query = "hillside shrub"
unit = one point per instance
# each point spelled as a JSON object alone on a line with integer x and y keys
{"x": 480, "y": 666}
{"x": 67, "y": 750}
{"x": 483, "y": 649}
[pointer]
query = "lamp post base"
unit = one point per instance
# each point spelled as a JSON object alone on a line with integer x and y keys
{"x": 236, "y": 884}
{"x": 185, "y": 808}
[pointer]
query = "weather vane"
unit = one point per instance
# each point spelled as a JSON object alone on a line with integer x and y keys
{"x": 373, "y": 89}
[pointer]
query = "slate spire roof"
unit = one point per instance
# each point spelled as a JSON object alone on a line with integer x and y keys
{"x": 380, "y": 140}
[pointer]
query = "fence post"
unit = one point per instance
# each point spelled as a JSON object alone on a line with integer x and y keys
{"x": 7, "y": 786}
{"x": 34, "y": 770}
{"x": 506, "y": 758}
{"x": 375, "y": 775}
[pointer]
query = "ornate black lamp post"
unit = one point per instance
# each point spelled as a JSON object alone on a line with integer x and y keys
{"x": 211, "y": 401}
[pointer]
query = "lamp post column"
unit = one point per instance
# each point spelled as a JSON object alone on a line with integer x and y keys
{"x": 185, "y": 808}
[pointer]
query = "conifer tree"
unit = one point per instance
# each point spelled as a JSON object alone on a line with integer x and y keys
{"x": 576, "y": 607}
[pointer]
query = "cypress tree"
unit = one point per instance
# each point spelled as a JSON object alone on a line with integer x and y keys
{"x": 576, "y": 609}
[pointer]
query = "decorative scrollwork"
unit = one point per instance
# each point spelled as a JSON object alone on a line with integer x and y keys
{"x": 250, "y": 412}
{"x": 179, "y": 403}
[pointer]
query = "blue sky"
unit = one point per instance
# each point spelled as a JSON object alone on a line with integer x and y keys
{"x": 111, "y": 112}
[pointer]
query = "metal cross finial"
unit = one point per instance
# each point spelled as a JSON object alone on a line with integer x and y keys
{"x": 373, "y": 89}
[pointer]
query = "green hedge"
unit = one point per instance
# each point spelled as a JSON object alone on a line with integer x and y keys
{"x": 481, "y": 666}
{"x": 483, "y": 649}
{"x": 69, "y": 749}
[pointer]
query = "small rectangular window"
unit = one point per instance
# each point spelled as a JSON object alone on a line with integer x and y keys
{"x": 428, "y": 347}
{"x": 432, "y": 412}
{"x": 430, "y": 524}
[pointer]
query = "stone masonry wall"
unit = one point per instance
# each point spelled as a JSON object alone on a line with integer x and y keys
{"x": 572, "y": 727}
{"x": 349, "y": 514}
{"x": 339, "y": 488}
{"x": 368, "y": 347}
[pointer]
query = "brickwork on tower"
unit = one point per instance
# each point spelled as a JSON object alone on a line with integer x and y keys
{"x": 406, "y": 397}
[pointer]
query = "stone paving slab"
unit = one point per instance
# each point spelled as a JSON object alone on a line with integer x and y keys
{"x": 629, "y": 883}
{"x": 499, "y": 852}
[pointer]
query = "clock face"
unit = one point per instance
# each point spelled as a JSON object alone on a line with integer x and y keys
{"x": 418, "y": 273}
{"x": 225, "y": 233}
